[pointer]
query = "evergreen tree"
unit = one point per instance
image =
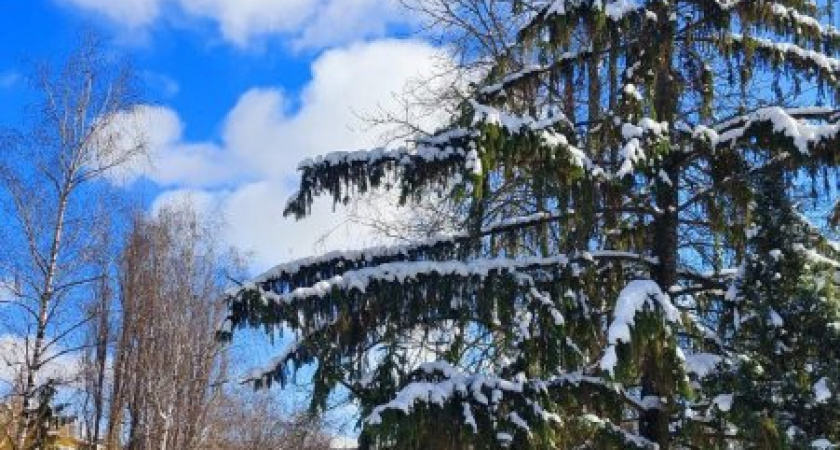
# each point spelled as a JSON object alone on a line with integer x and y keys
{"x": 47, "y": 417}
{"x": 783, "y": 364}
{"x": 607, "y": 162}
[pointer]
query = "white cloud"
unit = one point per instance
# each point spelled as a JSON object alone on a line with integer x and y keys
{"x": 131, "y": 13}
{"x": 250, "y": 174}
{"x": 64, "y": 368}
{"x": 338, "y": 21}
{"x": 346, "y": 83}
{"x": 253, "y": 220}
{"x": 171, "y": 161}
{"x": 9, "y": 79}
{"x": 262, "y": 138}
{"x": 204, "y": 202}
{"x": 307, "y": 23}
{"x": 161, "y": 84}
{"x": 238, "y": 20}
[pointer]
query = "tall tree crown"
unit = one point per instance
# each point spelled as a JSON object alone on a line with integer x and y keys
{"x": 610, "y": 160}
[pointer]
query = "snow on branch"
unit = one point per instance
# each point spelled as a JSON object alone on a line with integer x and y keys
{"x": 815, "y": 257}
{"x": 632, "y": 152}
{"x": 429, "y": 149}
{"x": 727, "y": 5}
{"x": 486, "y": 392}
{"x": 821, "y": 391}
{"x": 402, "y": 272}
{"x": 436, "y": 158}
{"x": 337, "y": 262}
{"x": 791, "y": 53}
{"x": 532, "y": 71}
{"x": 615, "y": 10}
{"x": 545, "y": 129}
{"x": 790, "y": 123}
{"x": 637, "y": 296}
{"x": 823, "y": 444}
{"x": 626, "y": 436}
{"x": 407, "y": 271}
{"x": 454, "y": 383}
{"x": 802, "y": 21}
{"x": 808, "y": 113}
{"x": 275, "y": 365}
{"x": 514, "y": 124}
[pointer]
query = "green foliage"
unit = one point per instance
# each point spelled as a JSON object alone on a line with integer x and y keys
{"x": 612, "y": 142}
{"x": 784, "y": 338}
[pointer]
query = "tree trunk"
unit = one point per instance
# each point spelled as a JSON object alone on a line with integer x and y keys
{"x": 34, "y": 364}
{"x": 654, "y": 422}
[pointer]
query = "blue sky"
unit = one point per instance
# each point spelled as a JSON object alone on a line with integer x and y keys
{"x": 187, "y": 67}
{"x": 238, "y": 92}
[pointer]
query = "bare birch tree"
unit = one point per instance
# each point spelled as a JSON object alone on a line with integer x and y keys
{"x": 51, "y": 172}
{"x": 247, "y": 420}
{"x": 97, "y": 358}
{"x": 168, "y": 365}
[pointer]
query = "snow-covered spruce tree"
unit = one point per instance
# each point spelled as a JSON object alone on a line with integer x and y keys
{"x": 608, "y": 160}
{"x": 784, "y": 355}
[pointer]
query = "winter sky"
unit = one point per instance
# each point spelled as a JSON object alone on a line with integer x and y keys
{"x": 239, "y": 91}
